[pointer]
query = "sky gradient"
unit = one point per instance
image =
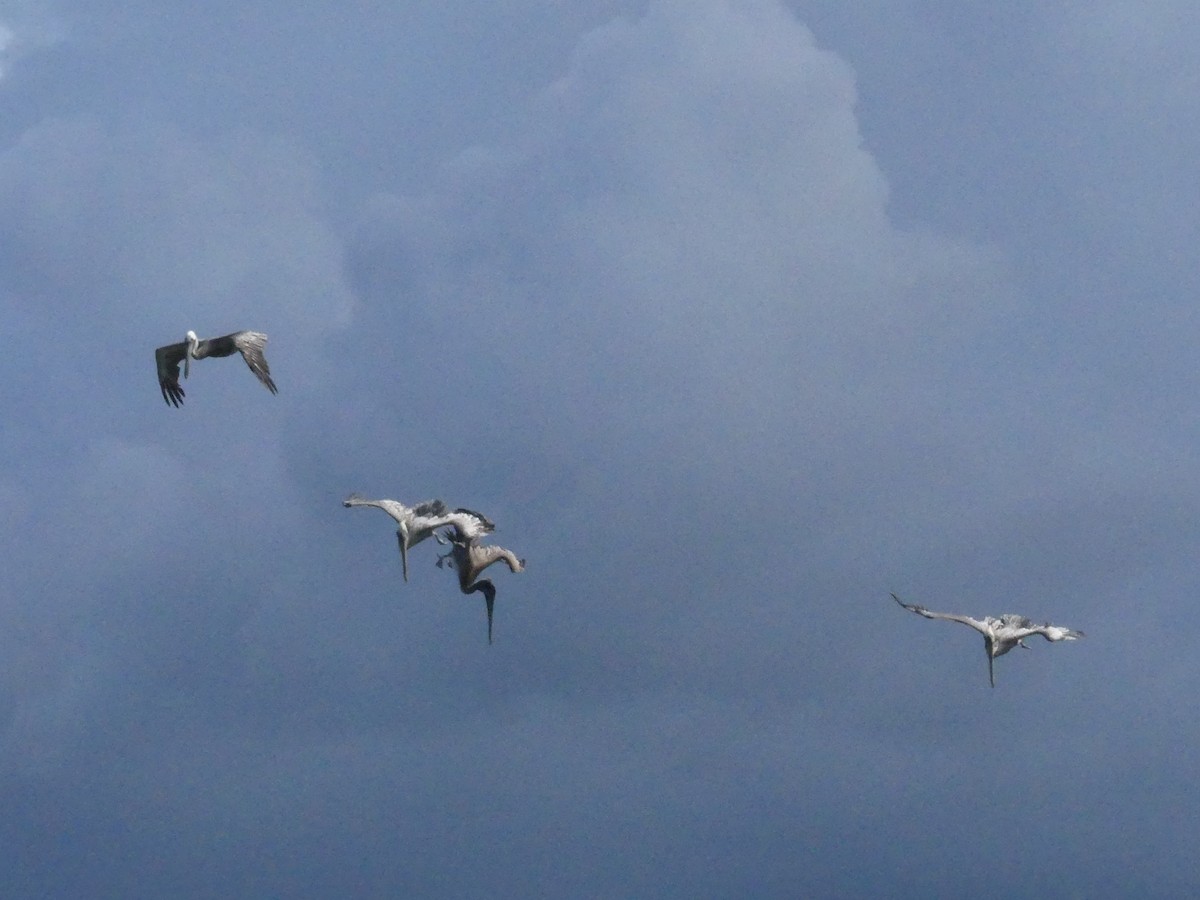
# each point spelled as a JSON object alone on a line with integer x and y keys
{"x": 734, "y": 315}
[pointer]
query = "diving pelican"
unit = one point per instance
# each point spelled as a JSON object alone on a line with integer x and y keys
{"x": 1002, "y": 634}
{"x": 415, "y": 523}
{"x": 249, "y": 343}
{"x": 470, "y": 558}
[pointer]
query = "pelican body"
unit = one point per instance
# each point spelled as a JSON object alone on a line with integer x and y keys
{"x": 249, "y": 343}
{"x": 999, "y": 634}
{"x": 415, "y": 523}
{"x": 469, "y": 557}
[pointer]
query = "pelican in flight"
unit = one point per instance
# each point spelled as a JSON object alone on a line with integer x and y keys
{"x": 470, "y": 558}
{"x": 1002, "y": 634}
{"x": 415, "y": 523}
{"x": 249, "y": 343}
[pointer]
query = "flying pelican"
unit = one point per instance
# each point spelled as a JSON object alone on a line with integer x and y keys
{"x": 418, "y": 522}
{"x": 249, "y": 343}
{"x": 1002, "y": 634}
{"x": 470, "y": 558}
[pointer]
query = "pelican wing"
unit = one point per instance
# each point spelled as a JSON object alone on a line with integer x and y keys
{"x": 251, "y": 344}
{"x": 483, "y": 523}
{"x": 1052, "y": 633}
{"x": 469, "y": 525}
{"x": 167, "y": 360}
{"x": 950, "y": 617}
{"x": 393, "y": 508}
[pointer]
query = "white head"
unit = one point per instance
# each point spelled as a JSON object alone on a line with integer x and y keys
{"x": 192, "y": 342}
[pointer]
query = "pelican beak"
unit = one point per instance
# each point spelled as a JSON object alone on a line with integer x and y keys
{"x": 192, "y": 341}
{"x": 991, "y": 670}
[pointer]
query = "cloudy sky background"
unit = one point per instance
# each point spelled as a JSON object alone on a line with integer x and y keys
{"x": 735, "y": 315}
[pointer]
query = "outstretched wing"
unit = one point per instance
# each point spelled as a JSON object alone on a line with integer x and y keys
{"x": 167, "y": 360}
{"x": 950, "y": 617}
{"x": 1053, "y": 633}
{"x": 252, "y": 344}
{"x": 393, "y": 508}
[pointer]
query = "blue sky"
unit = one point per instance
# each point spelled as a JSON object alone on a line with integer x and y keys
{"x": 735, "y": 316}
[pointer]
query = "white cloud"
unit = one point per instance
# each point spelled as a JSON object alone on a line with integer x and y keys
{"x": 689, "y": 240}
{"x": 27, "y": 28}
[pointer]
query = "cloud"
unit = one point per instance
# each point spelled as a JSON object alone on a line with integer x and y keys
{"x": 714, "y": 393}
{"x": 7, "y": 37}
{"x": 26, "y": 28}
{"x": 668, "y": 335}
{"x": 148, "y": 220}
{"x": 675, "y": 290}
{"x": 118, "y": 238}
{"x": 689, "y": 241}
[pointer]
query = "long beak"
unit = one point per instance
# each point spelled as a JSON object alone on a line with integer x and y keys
{"x": 187, "y": 358}
{"x": 490, "y": 599}
{"x": 991, "y": 670}
{"x": 403, "y": 554}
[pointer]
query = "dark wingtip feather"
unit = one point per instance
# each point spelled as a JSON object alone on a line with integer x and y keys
{"x": 172, "y": 394}
{"x": 430, "y": 508}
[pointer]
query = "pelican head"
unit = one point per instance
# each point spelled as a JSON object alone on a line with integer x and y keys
{"x": 192, "y": 342}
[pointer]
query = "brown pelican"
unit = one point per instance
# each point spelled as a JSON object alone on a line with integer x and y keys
{"x": 470, "y": 558}
{"x": 249, "y": 343}
{"x": 418, "y": 522}
{"x": 1002, "y": 634}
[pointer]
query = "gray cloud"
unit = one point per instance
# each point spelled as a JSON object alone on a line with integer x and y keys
{"x": 666, "y": 325}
